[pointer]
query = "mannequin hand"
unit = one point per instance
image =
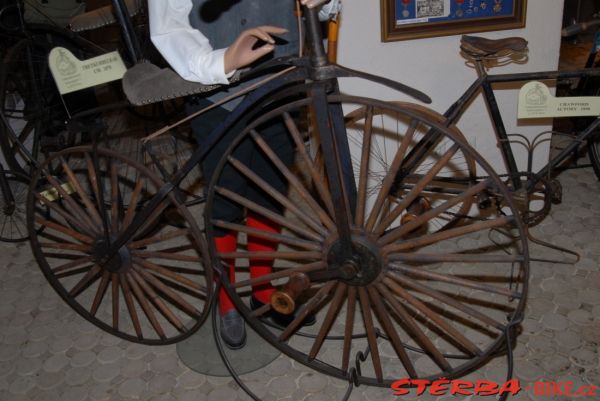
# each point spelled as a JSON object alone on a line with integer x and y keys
{"x": 242, "y": 51}
{"x": 312, "y": 3}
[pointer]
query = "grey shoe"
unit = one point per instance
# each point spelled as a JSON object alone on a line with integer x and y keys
{"x": 233, "y": 329}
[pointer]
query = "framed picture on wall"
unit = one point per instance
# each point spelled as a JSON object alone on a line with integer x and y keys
{"x": 413, "y": 19}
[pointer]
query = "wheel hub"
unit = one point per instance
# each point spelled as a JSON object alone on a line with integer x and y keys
{"x": 8, "y": 210}
{"x": 362, "y": 267}
{"x": 119, "y": 263}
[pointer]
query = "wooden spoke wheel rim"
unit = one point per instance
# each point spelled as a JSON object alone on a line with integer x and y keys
{"x": 425, "y": 302}
{"x": 157, "y": 288}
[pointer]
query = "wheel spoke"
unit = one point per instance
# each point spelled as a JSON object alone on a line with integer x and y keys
{"x": 310, "y": 267}
{"x": 100, "y": 292}
{"x": 166, "y": 256}
{"x": 70, "y": 265}
{"x": 298, "y": 255}
{"x": 364, "y": 168}
{"x": 82, "y": 195}
{"x": 309, "y": 307}
{"x": 277, "y": 218}
{"x": 448, "y": 234}
{"x": 164, "y": 272}
{"x": 294, "y": 181}
{"x": 388, "y": 181}
{"x": 463, "y": 341}
{"x": 93, "y": 178}
{"x": 404, "y": 229}
{"x": 405, "y": 317}
{"x": 64, "y": 230}
{"x": 143, "y": 301}
{"x": 115, "y": 300}
{"x": 283, "y": 200}
{"x": 316, "y": 177}
{"x": 348, "y": 328}
{"x": 130, "y": 305}
{"x": 133, "y": 201}
{"x": 91, "y": 276}
{"x": 332, "y": 312}
{"x": 66, "y": 246}
{"x": 158, "y": 303}
{"x": 403, "y": 280}
{"x": 114, "y": 198}
{"x": 275, "y": 237}
{"x": 453, "y": 258}
{"x": 160, "y": 238}
{"x": 452, "y": 279}
{"x": 175, "y": 298}
{"x": 415, "y": 191}
{"x": 60, "y": 211}
{"x": 371, "y": 336}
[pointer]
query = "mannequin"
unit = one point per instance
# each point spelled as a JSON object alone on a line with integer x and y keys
{"x": 206, "y": 41}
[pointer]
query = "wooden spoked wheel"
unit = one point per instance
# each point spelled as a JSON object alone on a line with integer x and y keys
{"x": 156, "y": 288}
{"x": 13, "y": 225}
{"x": 416, "y": 298}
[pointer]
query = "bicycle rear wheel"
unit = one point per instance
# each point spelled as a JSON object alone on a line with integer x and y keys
{"x": 418, "y": 298}
{"x": 30, "y": 102}
{"x": 157, "y": 288}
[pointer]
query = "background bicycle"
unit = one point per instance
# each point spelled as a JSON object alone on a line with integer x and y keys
{"x": 39, "y": 121}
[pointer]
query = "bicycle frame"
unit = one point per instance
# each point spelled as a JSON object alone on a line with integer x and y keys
{"x": 329, "y": 123}
{"x": 485, "y": 83}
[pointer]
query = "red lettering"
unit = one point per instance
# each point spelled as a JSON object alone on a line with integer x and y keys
{"x": 439, "y": 387}
{"x": 461, "y": 387}
{"x": 592, "y": 392}
{"x": 539, "y": 388}
{"x": 568, "y": 387}
{"x": 421, "y": 385}
{"x": 512, "y": 387}
{"x": 485, "y": 388}
{"x": 398, "y": 385}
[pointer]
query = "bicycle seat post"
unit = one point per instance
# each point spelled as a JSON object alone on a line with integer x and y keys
{"x": 315, "y": 38}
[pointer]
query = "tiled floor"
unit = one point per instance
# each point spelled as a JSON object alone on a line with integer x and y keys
{"x": 48, "y": 352}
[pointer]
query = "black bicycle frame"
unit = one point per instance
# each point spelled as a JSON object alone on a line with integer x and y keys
{"x": 333, "y": 137}
{"x": 485, "y": 83}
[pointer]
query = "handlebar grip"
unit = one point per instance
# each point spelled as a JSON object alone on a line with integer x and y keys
{"x": 578, "y": 28}
{"x": 571, "y": 30}
{"x": 284, "y": 300}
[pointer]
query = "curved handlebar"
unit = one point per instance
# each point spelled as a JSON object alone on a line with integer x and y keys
{"x": 580, "y": 27}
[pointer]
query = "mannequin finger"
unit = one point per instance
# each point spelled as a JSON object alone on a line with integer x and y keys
{"x": 262, "y": 51}
{"x": 258, "y": 33}
{"x": 273, "y": 29}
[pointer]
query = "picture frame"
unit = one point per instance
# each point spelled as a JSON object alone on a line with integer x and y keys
{"x": 414, "y": 19}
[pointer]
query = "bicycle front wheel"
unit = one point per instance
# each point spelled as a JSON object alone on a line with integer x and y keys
{"x": 425, "y": 294}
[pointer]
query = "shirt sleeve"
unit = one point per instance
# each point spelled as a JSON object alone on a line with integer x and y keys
{"x": 328, "y": 9}
{"x": 185, "y": 48}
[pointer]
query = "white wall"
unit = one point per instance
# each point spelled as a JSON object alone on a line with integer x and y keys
{"x": 435, "y": 66}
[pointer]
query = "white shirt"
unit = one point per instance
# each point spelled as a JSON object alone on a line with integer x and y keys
{"x": 185, "y": 48}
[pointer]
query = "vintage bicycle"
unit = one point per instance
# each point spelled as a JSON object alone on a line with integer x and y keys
{"x": 37, "y": 120}
{"x": 382, "y": 234}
